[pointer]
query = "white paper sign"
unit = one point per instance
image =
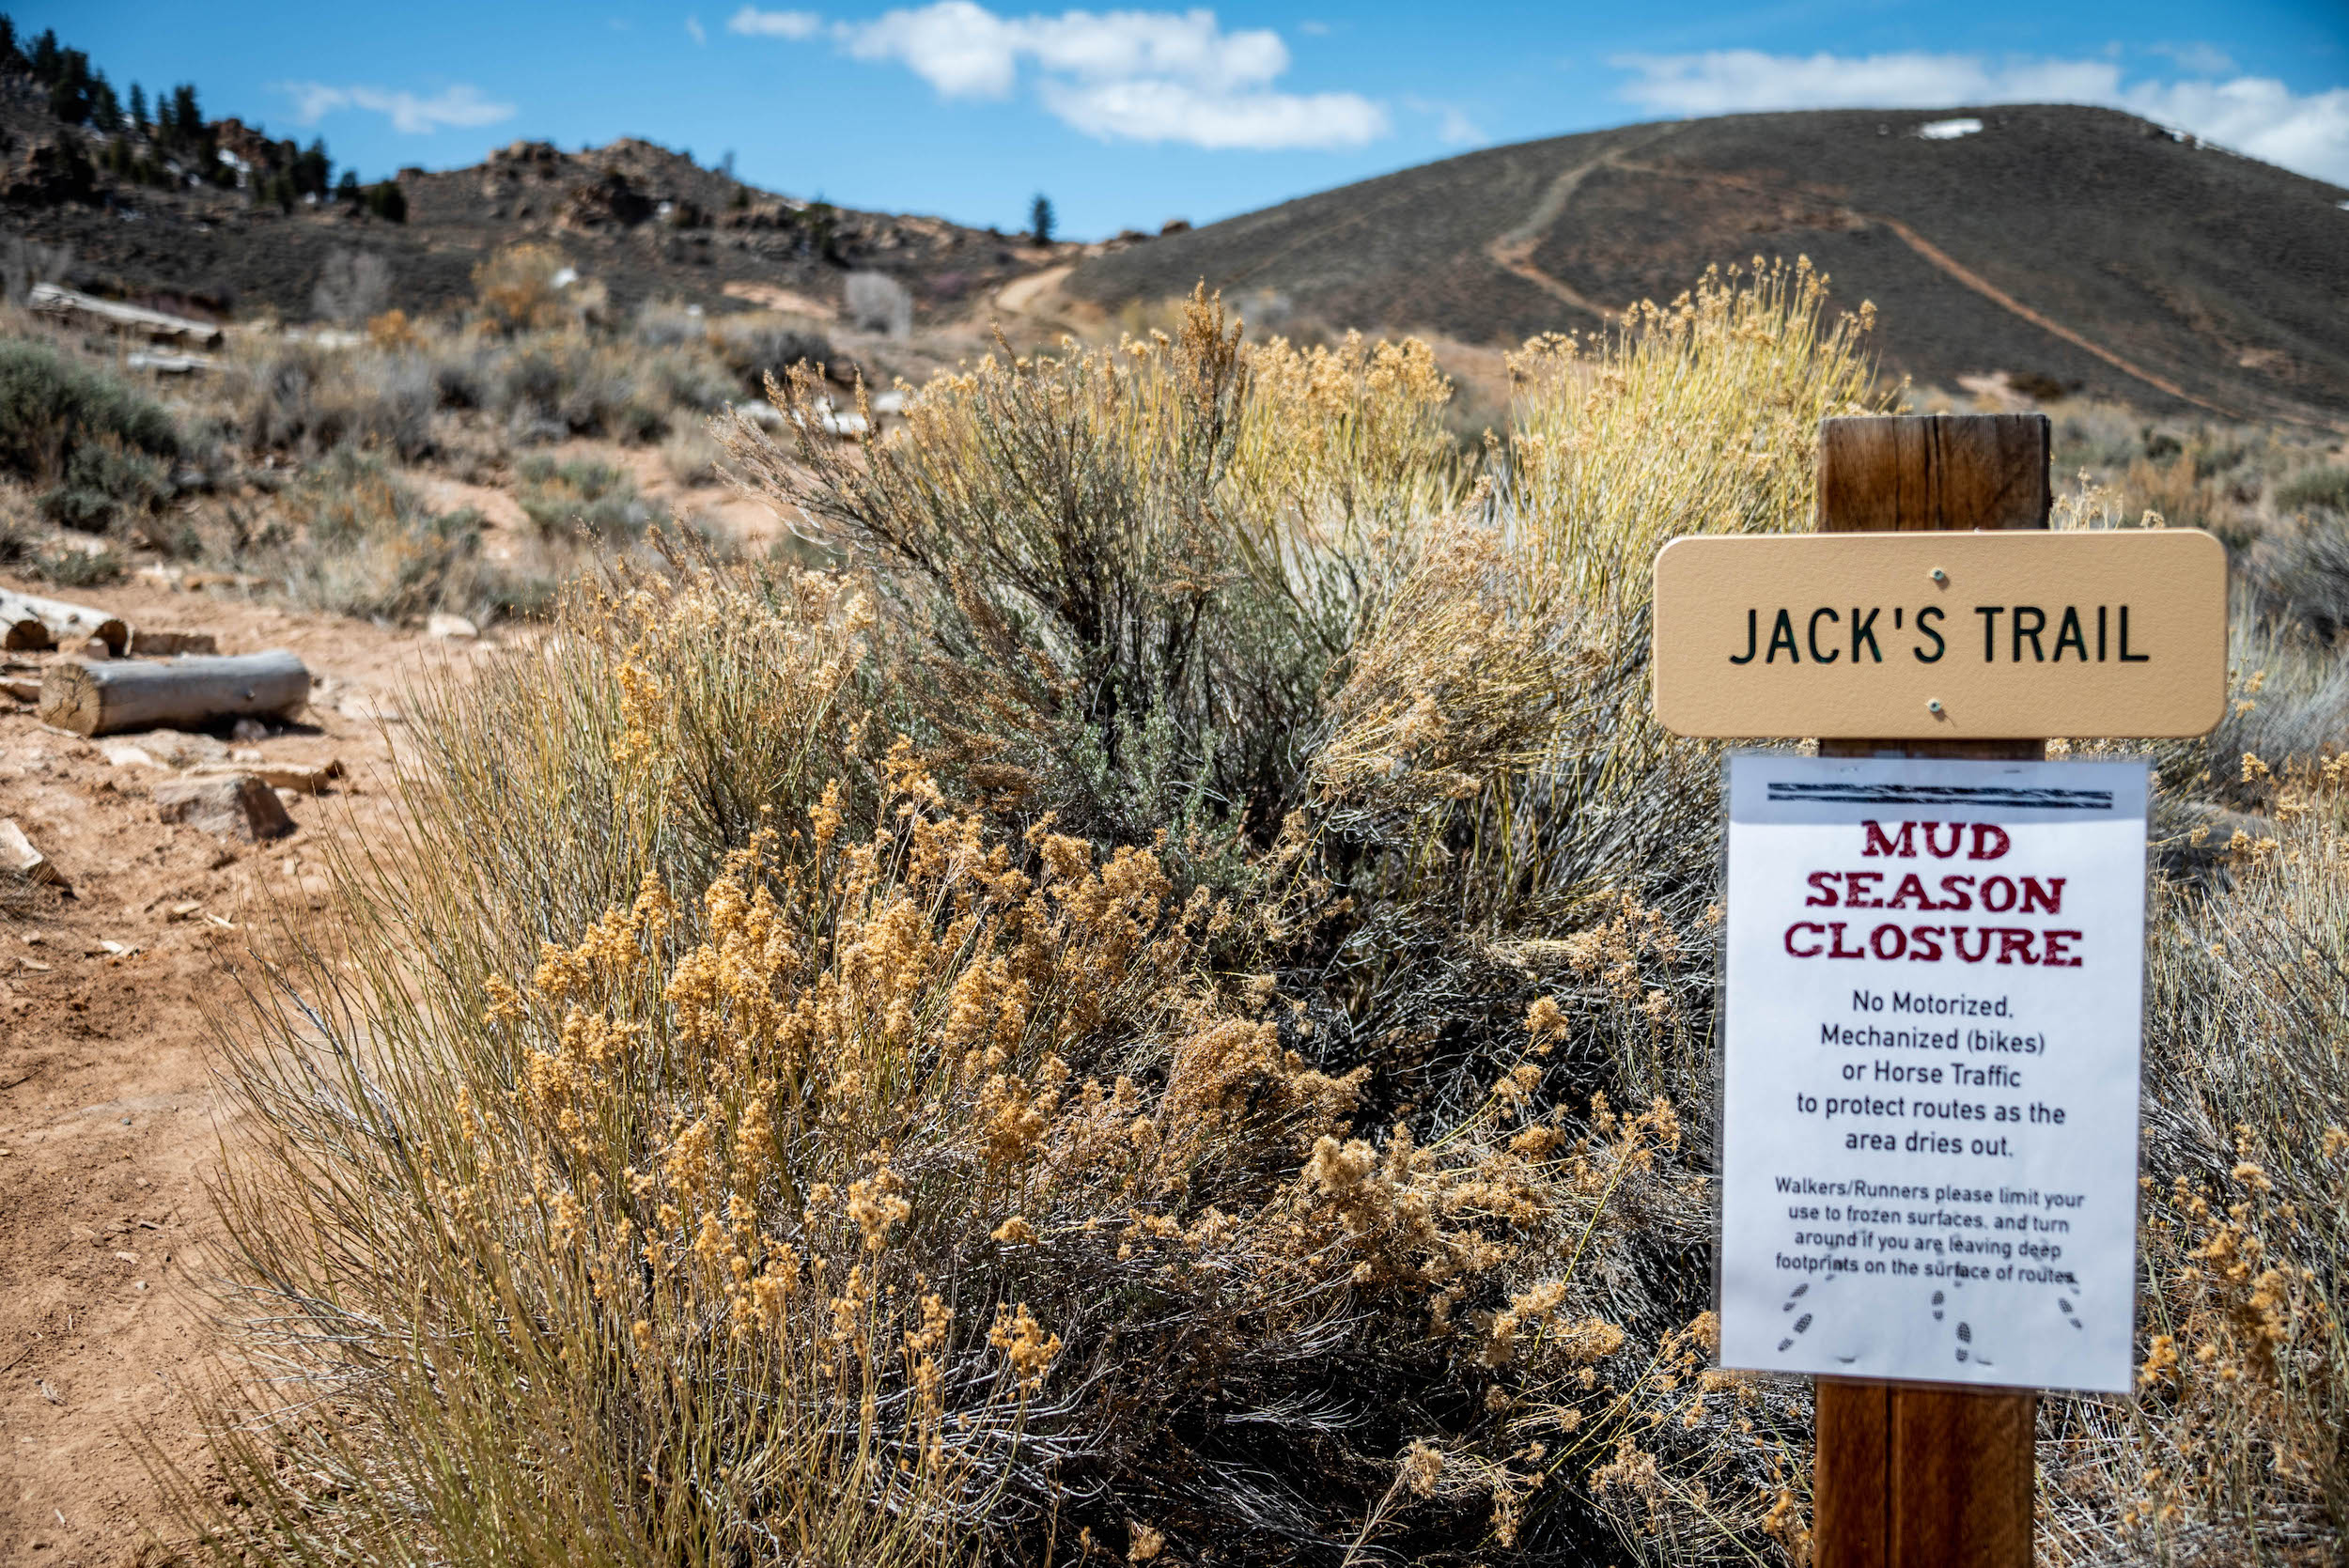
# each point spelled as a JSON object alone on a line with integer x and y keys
{"x": 1935, "y": 977}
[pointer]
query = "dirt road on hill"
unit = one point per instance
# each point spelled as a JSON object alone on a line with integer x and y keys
{"x": 108, "y": 1120}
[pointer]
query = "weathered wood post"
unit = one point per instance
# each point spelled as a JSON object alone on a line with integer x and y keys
{"x": 1934, "y": 955}
{"x": 1910, "y": 1475}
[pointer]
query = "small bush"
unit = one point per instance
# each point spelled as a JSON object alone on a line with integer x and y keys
{"x": 352, "y": 288}
{"x": 2298, "y": 570}
{"x": 757, "y": 349}
{"x": 25, "y": 262}
{"x": 516, "y": 291}
{"x": 689, "y": 378}
{"x": 692, "y": 455}
{"x": 668, "y": 323}
{"x": 560, "y": 497}
{"x": 879, "y": 304}
{"x": 71, "y": 567}
{"x": 105, "y": 480}
{"x": 386, "y": 200}
{"x": 28, "y": 546}
{"x": 308, "y": 400}
{"x": 2325, "y": 486}
{"x": 99, "y": 448}
{"x": 358, "y": 541}
{"x": 552, "y": 386}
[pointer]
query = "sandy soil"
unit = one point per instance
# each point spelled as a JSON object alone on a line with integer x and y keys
{"x": 108, "y": 1122}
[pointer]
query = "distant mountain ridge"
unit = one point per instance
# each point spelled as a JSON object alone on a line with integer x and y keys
{"x": 214, "y": 216}
{"x": 2064, "y": 246}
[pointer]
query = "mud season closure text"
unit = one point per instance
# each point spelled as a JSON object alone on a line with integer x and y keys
{"x": 1929, "y": 1137}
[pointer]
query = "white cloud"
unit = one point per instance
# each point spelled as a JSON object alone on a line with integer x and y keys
{"x": 461, "y": 105}
{"x": 1160, "y": 111}
{"x": 2304, "y": 131}
{"x": 1148, "y": 76}
{"x": 2257, "y": 115}
{"x": 693, "y": 30}
{"x": 2203, "y": 59}
{"x": 965, "y": 50}
{"x": 1452, "y": 126}
{"x": 752, "y": 23}
{"x": 1730, "y": 80}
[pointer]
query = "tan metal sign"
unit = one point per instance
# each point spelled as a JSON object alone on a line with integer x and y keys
{"x": 1942, "y": 636}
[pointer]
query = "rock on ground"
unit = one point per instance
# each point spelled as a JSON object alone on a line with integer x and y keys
{"x": 234, "y": 805}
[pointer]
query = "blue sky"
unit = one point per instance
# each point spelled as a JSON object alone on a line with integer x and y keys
{"x": 1131, "y": 116}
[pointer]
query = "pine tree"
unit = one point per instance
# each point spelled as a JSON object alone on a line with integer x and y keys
{"x": 138, "y": 106}
{"x": 1041, "y": 218}
{"x": 313, "y": 169}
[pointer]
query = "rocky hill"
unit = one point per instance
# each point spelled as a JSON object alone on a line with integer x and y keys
{"x": 2062, "y": 248}
{"x": 2066, "y": 247}
{"x": 215, "y": 216}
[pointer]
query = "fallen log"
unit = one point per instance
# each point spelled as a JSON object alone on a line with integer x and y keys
{"x": 301, "y": 777}
{"x": 147, "y": 643}
{"x": 179, "y": 693}
{"x": 52, "y": 300}
{"x": 27, "y": 621}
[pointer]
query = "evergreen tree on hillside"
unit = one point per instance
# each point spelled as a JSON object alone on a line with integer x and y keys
{"x": 312, "y": 169}
{"x": 174, "y": 124}
{"x": 1041, "y": 218}
{"x": 184, "y": 119}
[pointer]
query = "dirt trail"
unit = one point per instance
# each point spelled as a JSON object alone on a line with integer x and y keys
{"x": 1513, "y": 252}
{"x": 107, "y": 1117}
{"x": 1950, "y": 268}
{"x": 1017, "y": 296}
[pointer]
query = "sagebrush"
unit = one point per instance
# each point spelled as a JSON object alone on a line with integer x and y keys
{"x": 1165, "y": 1008}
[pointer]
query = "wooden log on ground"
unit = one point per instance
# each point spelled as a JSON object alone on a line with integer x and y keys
{"x": 300, "y": 777}
{"x": 149, "y": 643}
{"x": 179, "y": 694}
{"x": 27, "y": 621}
{"x": 51, "y": 298}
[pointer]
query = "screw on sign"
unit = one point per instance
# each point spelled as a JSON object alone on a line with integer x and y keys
{"x": 1935, "y": 955}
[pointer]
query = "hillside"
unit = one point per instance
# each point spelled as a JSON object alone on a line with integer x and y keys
{"x": 2065, "y": 246}
{"x": 216, "y": 216}
{"x": 640, "y": 219}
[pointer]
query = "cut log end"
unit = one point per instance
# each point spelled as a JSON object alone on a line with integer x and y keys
{"x": 179, "y": 693}
{"x": 29, "y": 621}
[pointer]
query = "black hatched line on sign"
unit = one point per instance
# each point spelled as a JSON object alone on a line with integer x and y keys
{"x": 1942, "y": 795}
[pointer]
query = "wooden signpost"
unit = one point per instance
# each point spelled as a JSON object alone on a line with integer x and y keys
{"x": 1976, "y": 646}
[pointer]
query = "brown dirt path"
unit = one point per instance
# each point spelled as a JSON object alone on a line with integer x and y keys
{"x": 107, "y": 1117}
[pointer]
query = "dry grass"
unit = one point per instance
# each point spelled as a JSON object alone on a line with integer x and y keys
{"x": 1166, "y": 1011}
